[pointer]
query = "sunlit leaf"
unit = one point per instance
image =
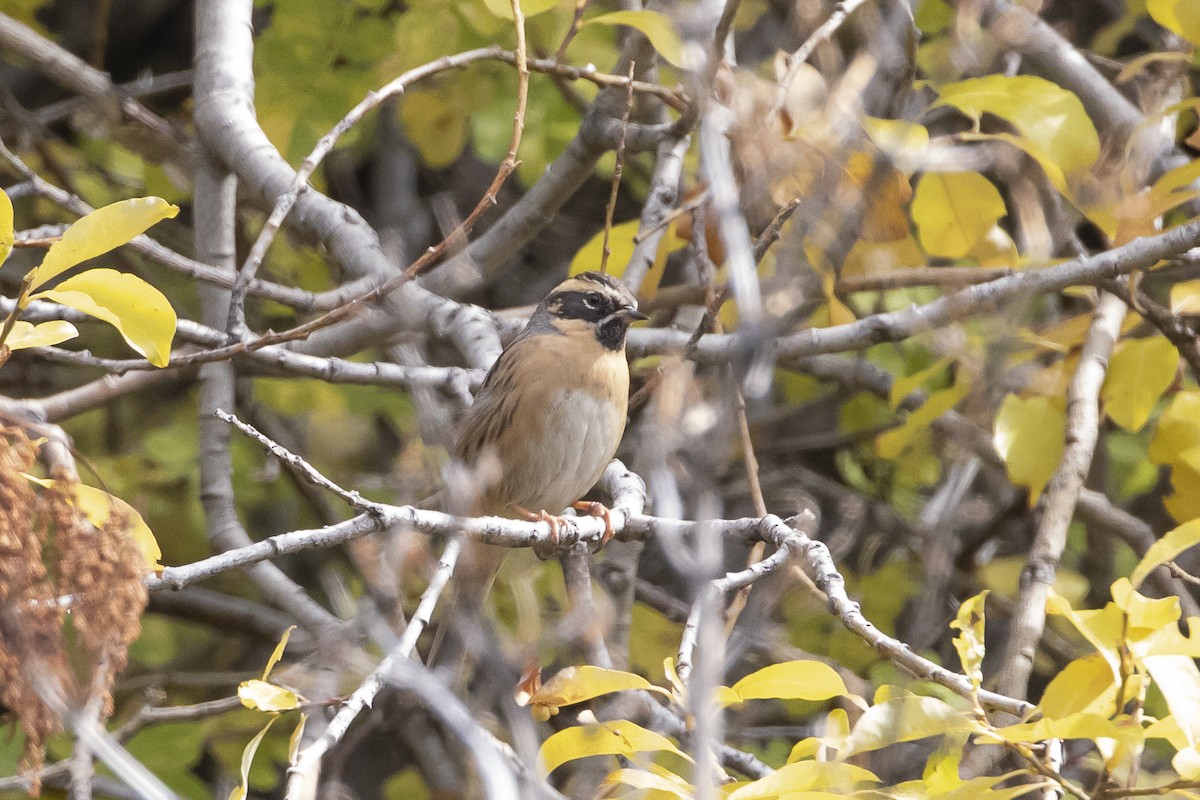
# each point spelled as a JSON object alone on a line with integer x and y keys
{"x": 790, "y": 680}
{"x": 1104, "y": 629}
{"x": 1179, "y": 680}
{"x": 263, "y": 696}
{"x": 954, "y": 211}
{"x": 277, "y": 653}
{"x": 619, "y": 737}
{"x": 903, "y": 719}
{"x": 649, "y": 781}
{"x": 969, "y": 642}
{"x": 1029, "y": 435}
{"x": 802, "y": 776}
{"x": 577, "y": 684}
{"x": 1074, "y": 726}
{"x": 6, "y": 226}
{"x": 1048, "y": 116}
{"x": 242, "y": 789}
{"x": 1138, "y": 373}
{"x": 1166, "y": 549}
{"x": 97, "y": 505}
{"x": 1086, "y": 685}
{"x": 44, "y": 334}
{"x": 1178, "y": 16}
{"x": 101, "y": 231}
{"x": 139, "y": 311}
{"x": 654, "y": 26}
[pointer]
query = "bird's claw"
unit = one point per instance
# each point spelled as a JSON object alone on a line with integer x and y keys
{"x": 594, "y": 509}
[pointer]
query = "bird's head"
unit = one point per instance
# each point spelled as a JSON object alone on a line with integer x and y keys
{"x": 592, "y": 304}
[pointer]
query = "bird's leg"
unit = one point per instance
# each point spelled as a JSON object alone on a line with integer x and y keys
{"x": 541, "y": 516}
{"x": 594, "y": 509}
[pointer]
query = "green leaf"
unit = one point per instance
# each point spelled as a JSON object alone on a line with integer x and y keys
{"x": 618, "y": 738}
{"x": 803, "y": 776}
{"x": 1050, "y": 118}
{"x": 436, "y": 125}
{"x": 1165, "y": 549}
{"x": 903, "y": 719}
{"x": 101, "y": 231}
{"x": 954, "y": 211}
{"x": 654, "y": 26}
{"x": 26, "y": 334}
{"x": 969, "y": 643}
{"x": 790, "y": 680}
{"x": 139, "y": 311}
{"x": 529, "y": 8}
{"x": 6, "y": 226}
{"x": 1138, "y": 373}
{"x": 1178, "y": 16}
{"x": 247, "y": 759}
{"x": 1029, "y": 436}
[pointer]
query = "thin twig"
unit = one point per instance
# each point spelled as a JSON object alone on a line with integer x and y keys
{"x": 605, "y": 250}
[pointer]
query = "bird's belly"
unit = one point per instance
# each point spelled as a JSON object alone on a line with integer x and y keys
{"x": 578, "y": 437}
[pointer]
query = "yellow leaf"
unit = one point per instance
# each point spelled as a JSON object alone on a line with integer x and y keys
{"x": 1184, "y": 501}
{"x": 1143, "y": 615}
{"x": 295, "y": 740}
{"x": 954, "y": 211}
{"x": 904, "y": 142}
{"x": 1104, "y": 629}
{"x": 6, "y": 226}
{"x": 905, "y": 385}
{"x": 264, "y": 696}
{"x": 619, "y": 737}
{"x": 277, "y": 653}
{"x": 1029, "y": 435}
{"x": 1138, "y": 373}
{"x": 802, "y": 776}
{"x": 1086, "y": 685}
{"x": 903, "y": 719}
{"x": 1054, "y": 172}
{"x": 239, "y": 793}
{"x": 1185, "y": 296}
{"x": 139, "y": 311}
{"x": 839, "y": 314}
{"x": 1165, "y": 549}
{"x": 654, "y": 26}
{"x": 1178, "y": 16}
{"x": 648, "y": 781}
{"x": 620, "y": 245}
{"x": 1003, "y": 576}
{"x": 1075, "y": 726}
{"x": 101, "y": 231}
{"x": 1047, "y": 115}
{"x": 790, "y": 680}
{"x": 529, "y": 8}
{"x": 1179, "y": 681}
{"x": 576, "y": 684}
{"x": 25, "y": 334}
{"x": 1187, "y": 763}
{"x": 1178, "y": 429}
{"x": 97, "y": 505}
{"x": 890, "y": 444}
{"x": 969, "y": 643}
{"x": 435, "y": 126}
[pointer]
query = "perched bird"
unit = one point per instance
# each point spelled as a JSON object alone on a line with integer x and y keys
{"x": 549, "y": 415}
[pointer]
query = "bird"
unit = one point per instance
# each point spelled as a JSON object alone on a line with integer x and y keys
{"x": 549, "y": 415}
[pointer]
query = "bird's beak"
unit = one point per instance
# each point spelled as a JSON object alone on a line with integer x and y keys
{"x": 631, "y": 313}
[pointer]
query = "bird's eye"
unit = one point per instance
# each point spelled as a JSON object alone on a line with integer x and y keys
{"x": 591, "y": 300}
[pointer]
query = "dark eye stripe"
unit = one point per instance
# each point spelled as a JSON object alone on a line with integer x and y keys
{"x": 575, "y": 305}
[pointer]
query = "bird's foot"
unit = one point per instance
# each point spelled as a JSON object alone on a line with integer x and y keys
{"x": 542, "y": 516}
{"x": 594, "y": 509}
